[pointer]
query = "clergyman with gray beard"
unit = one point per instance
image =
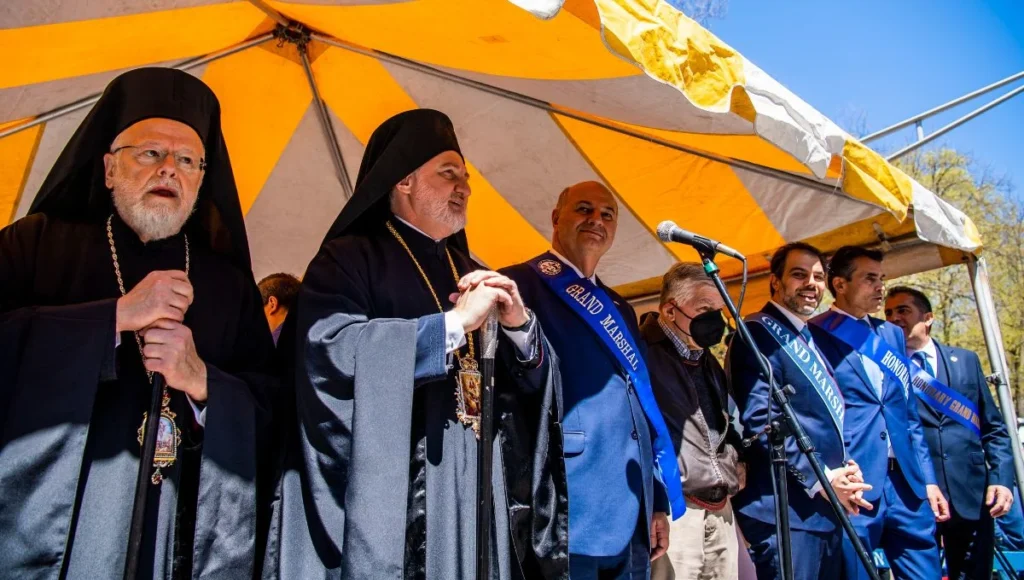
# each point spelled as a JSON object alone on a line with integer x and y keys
{"x": 133, "y": 260}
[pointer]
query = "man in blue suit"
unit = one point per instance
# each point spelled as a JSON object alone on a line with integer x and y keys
{"x": 797, "y": 285}
{"x": 881, "y": 426}
{"x": 620, "y": 465}
{"x": 970, "y": 449}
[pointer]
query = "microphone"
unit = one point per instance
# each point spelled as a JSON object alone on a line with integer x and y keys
{"x": 668, "y": 231}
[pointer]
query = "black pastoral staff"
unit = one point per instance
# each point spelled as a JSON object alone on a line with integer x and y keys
{"x": 381, "y": 479}
{"x": 134, "y": 248}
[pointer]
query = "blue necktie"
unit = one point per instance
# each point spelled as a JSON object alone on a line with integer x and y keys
{"x": 922, "y": 361}
{"x": 805, "y": 332}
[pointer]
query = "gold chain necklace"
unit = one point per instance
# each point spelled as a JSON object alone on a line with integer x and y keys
{"x": 468, "y": 385}
{"x": 168, "y": 435}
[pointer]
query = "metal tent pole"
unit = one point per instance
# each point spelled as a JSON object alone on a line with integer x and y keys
{"x": 271, "y": 12}
{"x": 923, "y": 140}
{"x": 91, "y": 99}
{"x": 325, "y": 123}
{"x": 996, "y": 356}
{"x": 916, "y": 119}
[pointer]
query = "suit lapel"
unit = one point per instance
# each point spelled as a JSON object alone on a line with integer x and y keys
{"x": 858, "y": 366}
{"x": 943, "y": 372}
{"x": 944, "y": 369}
{"x": 773, "y": 311}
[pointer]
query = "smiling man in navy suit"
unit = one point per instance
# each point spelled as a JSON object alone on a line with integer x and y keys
{"x": 797, "y": 285}
{"x": 969, "y": 445}
{"x": 881, "y": 426}
{"x": 619, "y": 460}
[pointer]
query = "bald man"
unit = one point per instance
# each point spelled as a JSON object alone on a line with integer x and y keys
{"x": 612, "y": 429}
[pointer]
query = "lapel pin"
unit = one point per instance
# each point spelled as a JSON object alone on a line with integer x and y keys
{"x": 953, "y": 358}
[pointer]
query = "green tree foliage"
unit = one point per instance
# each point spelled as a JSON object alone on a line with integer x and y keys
{"x": 989, "y": 201}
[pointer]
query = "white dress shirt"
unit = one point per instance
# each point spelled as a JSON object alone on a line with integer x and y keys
{"x": 931, "y": 354}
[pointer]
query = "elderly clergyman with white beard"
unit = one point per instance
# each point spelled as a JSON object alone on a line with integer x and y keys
{"x": 133, "y": 260}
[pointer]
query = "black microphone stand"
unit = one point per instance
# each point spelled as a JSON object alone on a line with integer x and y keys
{"x": 143, "y": 482}
{"x": 777, "y": 433}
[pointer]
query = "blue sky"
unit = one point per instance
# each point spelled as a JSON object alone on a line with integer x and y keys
{"x": 885, "y": 60}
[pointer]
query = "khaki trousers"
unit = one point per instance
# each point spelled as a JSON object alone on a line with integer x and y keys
{"x": 702, "y": 546}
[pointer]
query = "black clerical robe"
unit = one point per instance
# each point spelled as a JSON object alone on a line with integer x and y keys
{"x": 386, "y": 470}
{"x": 71, "y": 404}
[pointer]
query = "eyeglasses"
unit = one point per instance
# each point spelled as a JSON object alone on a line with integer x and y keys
{"x": 150, "y": 156}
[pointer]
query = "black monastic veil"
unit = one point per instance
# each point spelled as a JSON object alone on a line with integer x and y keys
{"x": 380, "y": 480}
{"x": 71, "y": 402}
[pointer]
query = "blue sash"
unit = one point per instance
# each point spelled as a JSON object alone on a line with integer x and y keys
{"x": 945, "y": 400}
{"x": 940, "y": 397}
{"x": 810, "y": 364}
{"x": 593, "y": 305}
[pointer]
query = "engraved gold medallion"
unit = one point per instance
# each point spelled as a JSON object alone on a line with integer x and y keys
{"x": 470, "y": 383}
{"x": 168, "y": 438}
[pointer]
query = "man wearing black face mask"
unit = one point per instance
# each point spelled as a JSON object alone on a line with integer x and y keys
{"x": 690, "y": 387}
{"x": 780, "y": 330}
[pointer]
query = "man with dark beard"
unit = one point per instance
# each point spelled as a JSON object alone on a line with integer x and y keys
{"x": 381, "y": 477}
{"x": 797, "y": 284}
{"x": 133, "y": 260}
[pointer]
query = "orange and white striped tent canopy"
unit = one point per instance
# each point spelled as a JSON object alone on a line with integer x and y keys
{"x": 631, "y": 93}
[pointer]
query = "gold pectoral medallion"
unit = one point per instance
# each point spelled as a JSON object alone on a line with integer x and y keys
{"x": 469, "y": 381}
{"x": 467, "y": 395}
{"x": 168, "y": 438}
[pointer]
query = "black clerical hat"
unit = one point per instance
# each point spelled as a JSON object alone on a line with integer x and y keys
{"x": 75, "y": 190}
{"x": 397, "y": 148}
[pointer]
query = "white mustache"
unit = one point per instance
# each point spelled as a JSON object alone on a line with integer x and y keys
{"x": 166, "y": 184}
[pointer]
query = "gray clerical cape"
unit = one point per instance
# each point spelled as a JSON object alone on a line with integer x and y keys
{"x": 380, "y": 480}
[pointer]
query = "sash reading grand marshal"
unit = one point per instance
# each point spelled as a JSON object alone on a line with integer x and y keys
{"x": 810, "y": 364}
{"x": 866, "y": 342}
{"x": 593, "y": 305}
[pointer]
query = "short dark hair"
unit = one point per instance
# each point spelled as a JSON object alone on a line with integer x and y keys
{"x": 282, "y": 286}
{"x": 841, "y": 264}
{"x": 778, "y": 263}
{"x": 920, "y": 298}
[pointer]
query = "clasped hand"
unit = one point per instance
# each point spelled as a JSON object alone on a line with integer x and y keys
{"x": 848, "y": 483}
{"x": 480, "y": 291}
{"x": 155, "y": 308}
